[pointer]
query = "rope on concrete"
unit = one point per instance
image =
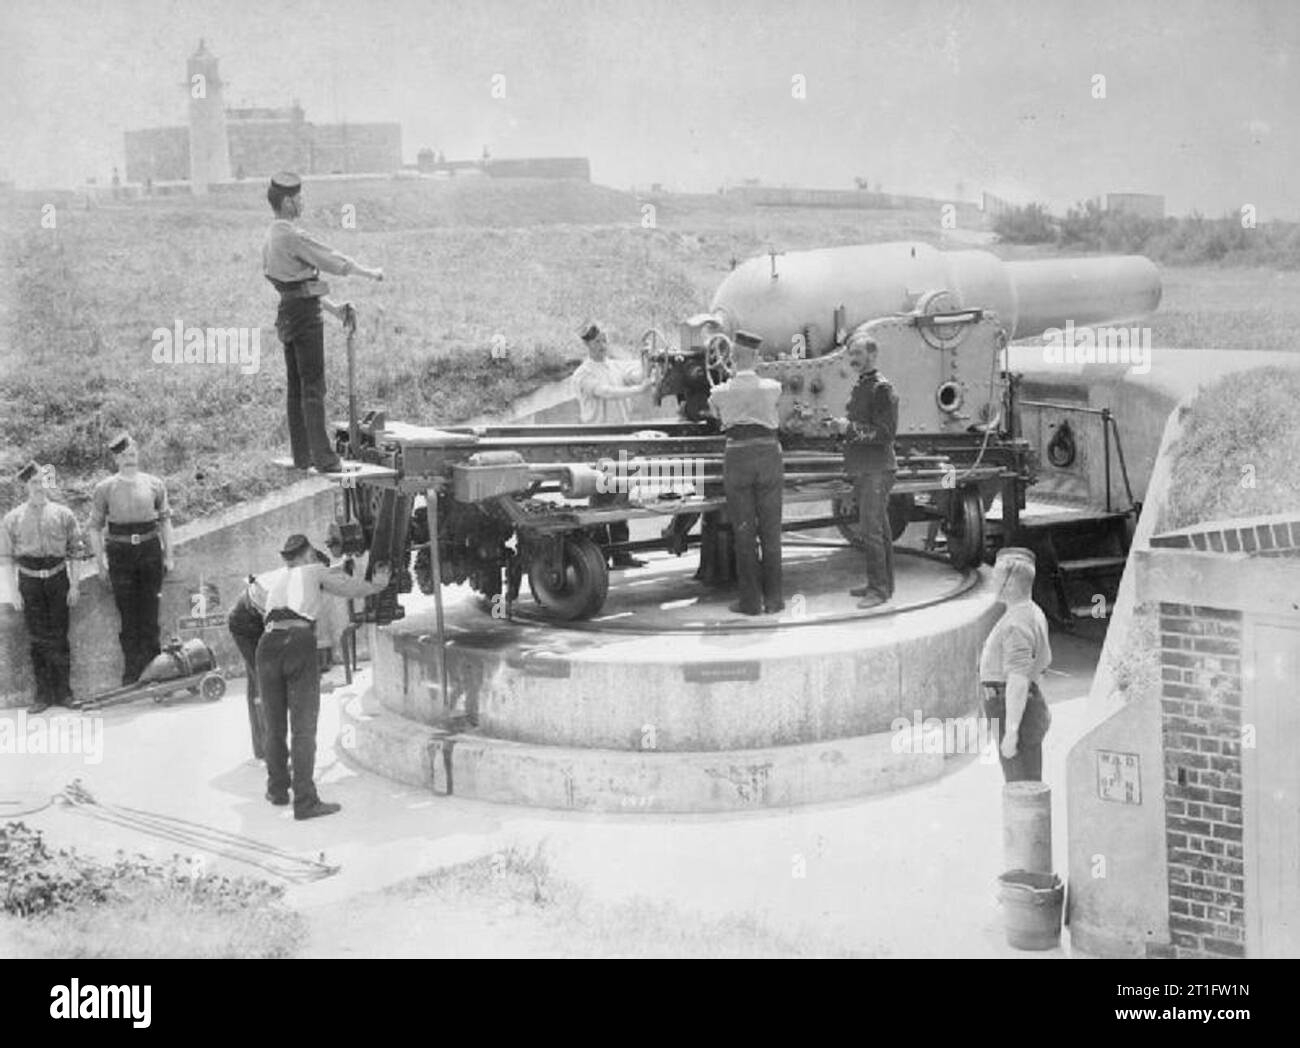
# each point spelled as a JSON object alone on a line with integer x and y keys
{"x": 193, "y": 835}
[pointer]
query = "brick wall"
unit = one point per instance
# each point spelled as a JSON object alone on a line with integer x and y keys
{"x": 1201, "y": 722}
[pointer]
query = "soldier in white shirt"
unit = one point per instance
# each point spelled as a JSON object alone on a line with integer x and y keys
{"x": 605, "y": 390}
{"x": 605, "y": 387}
{"x": 1015, "y": 654}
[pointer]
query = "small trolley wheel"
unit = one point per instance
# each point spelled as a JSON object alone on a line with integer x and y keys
{"x": 212, "y": 686}
{"x": 579, "y": 589}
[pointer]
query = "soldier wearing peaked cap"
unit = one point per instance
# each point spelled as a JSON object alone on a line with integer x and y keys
{"x": 293, "y": 260}
{"x": 38, "y": 543}
{"x": 1015, "y": 655}
{"x": 131, "y": 533}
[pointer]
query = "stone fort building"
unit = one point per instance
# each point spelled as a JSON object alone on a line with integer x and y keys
{"x": 220, "y": 143}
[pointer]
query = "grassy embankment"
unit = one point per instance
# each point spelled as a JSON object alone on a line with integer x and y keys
{"x": 467, "y": 263}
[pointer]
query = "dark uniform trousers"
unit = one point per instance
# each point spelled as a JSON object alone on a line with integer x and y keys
{"x": 872, "y": 490}
{"x": 300, "y": 327}
{"x": 752, "y": 480}
{"x": 289, "y": 679}
{"x": 45, "y": 610}
{"x": 246, "y": 627}
{"x": 1027, "y": 764}
{"x": 136, "y": 575}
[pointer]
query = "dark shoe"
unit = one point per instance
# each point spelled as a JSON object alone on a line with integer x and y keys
{"x": 626, "y": 561}
{"x": 38, "y": 707}
{"x": 773, "y": 609}
{"x": 872, "y": 600}
{"x": 315, "y": 811}
{"x": 330, "y": 467}
{"x": 859, "y": 591}
{"x": 737, "y": 609}
{"x": 72, "y": 702}
{"x": 278, "y": 799}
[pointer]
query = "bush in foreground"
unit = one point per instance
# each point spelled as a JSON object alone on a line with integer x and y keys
{"x": 62, "y": 904}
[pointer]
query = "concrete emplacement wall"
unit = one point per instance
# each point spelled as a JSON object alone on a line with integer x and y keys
{"x": 215, "y": 554}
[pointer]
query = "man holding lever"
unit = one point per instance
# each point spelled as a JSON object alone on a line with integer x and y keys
{"x": 292, "y": 260}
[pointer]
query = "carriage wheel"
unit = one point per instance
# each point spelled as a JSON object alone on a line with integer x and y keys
{"x": 579, "y": 588}
{"x": 964, "y": 527}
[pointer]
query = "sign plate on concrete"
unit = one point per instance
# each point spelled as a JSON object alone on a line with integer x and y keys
{"x": 709, "y": 672}
{"x": 201, "y": 622}
{"x": 1119, "y": 777}
{"x": 537, "y": 664}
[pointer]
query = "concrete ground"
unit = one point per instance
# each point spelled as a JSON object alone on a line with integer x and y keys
{"x": 908, "y": 874}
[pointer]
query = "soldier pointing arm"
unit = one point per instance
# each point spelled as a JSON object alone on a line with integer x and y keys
{"x": 292, "y": 260}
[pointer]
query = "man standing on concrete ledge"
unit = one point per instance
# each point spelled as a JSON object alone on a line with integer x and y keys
{"x": 605, "y": 389}
{"x": 1015, "y": 655}
{"x": 752, "y": 477}
{"x": 870, "y": 426}
{"x": 288, "y": 673}
{"x": 38, "y": 543}
{"x": 131, "y": 533}
{"x": 292, "y": 260}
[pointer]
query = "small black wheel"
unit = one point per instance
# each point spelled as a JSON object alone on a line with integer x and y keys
{"x": 964, "y": 527}
{"x": 578, "y": 590}
{"x": 212, "y": 686}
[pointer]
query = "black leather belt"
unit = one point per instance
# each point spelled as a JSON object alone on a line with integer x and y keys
{"x": 291, "y": 289}
{"x": 289, "y": 624}
{"x": 135, "y": 533}
{"x": 750, "y": 434}
{"x": 41, "y": 567}
{"x": 39, "y": 563}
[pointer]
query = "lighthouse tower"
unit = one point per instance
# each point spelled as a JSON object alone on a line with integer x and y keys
{"x": 209, "y": 149}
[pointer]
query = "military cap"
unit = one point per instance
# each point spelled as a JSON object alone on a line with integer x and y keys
{"x": 286, "y": 181}
{"x": 588, "y": 331}
{"x": 1013, "y": 553}
{"x": 120, "y": 443}
{"x": 294, "y": 545}
{"x": 27, "y": 472}
{"x": 747, "y": 339}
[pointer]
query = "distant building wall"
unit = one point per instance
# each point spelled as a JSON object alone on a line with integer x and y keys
{"x": 159, "y": 154}
{"x": 264, "y": 141}
{"x": 1145, "y": 205}
{"x": 352, "y": 148}
{"x": 993, "y": 206}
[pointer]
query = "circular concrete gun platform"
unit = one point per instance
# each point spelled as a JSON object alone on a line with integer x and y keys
{"x": 669, "y": 702}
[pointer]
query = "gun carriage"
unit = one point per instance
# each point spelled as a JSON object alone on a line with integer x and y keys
{"x": 510, "y": 501}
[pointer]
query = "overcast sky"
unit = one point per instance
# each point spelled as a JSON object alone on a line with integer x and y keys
{"x": 1201, "y": 99}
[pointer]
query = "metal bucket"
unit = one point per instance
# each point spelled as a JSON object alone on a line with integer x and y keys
{"x": 1031, "y": 909}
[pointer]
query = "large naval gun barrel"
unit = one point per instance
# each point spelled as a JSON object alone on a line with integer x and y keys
{"x": 817, "y": 296}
